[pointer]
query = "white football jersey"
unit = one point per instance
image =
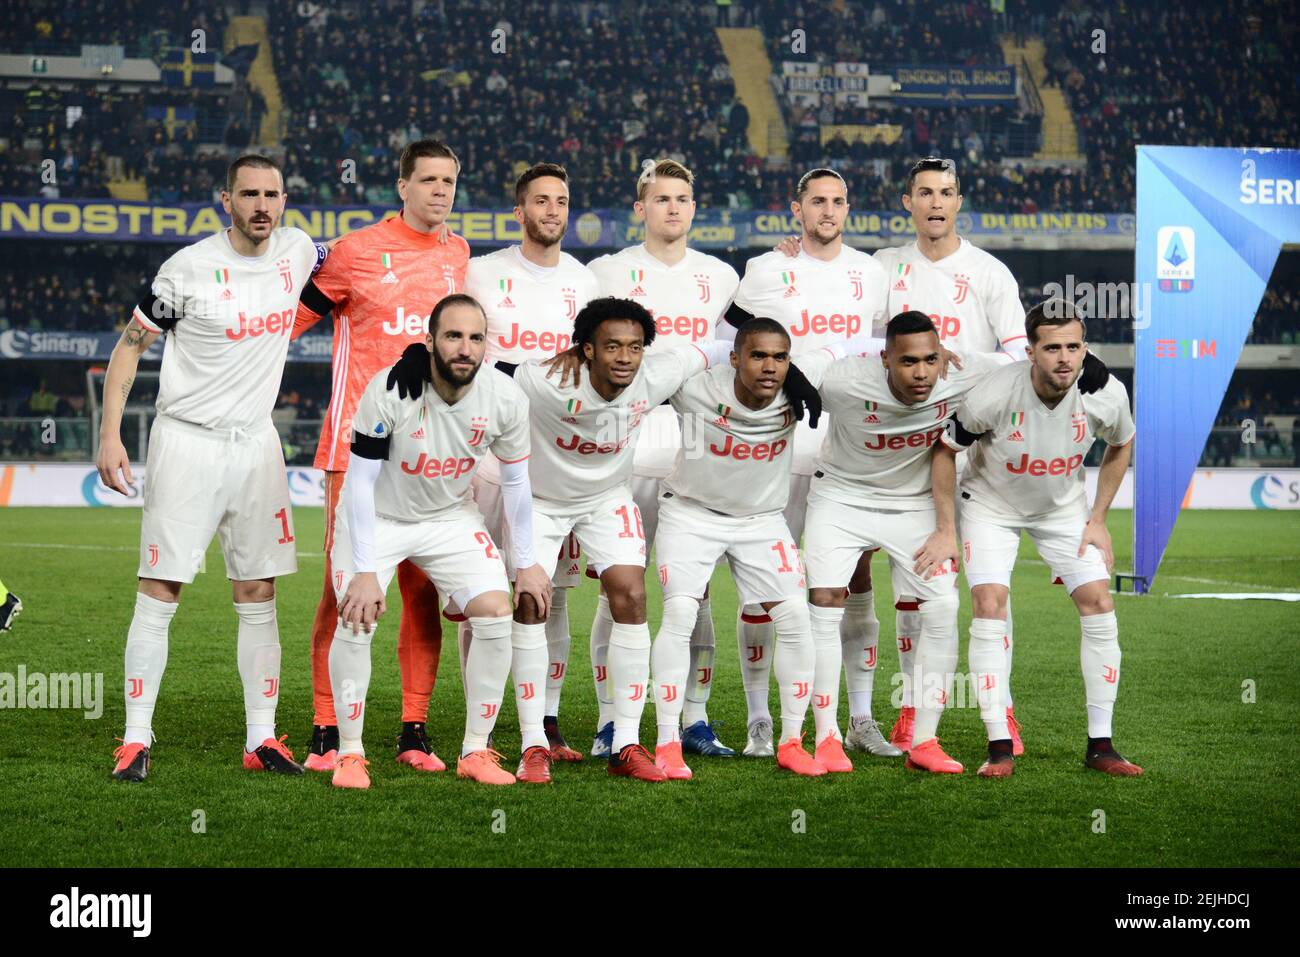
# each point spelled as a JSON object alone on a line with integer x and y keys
{"x": 434, "y": 448}
{"x": 530, "y": 309}
{"x": 228, "y": 318}
{"x": 1027, "y": 463}
{"x": 817, "y": 302}
{"x": 582, "y": 444}
{"x": 688, "y": 300}
{"x": 971, "y": 296}
{"x": 878, "y": 451}
{"x": 736, "y": 460}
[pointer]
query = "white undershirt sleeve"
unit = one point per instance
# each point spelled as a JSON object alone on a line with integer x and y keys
{"x": 359, "y": 500}
{"x": 517, "y": 498}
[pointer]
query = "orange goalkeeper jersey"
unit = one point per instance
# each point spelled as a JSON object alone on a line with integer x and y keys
{"x": 381, "y": 283}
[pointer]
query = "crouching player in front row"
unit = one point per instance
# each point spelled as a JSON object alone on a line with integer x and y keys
{"x": 1028, "y": 428}
{"x": 407, "y": 496}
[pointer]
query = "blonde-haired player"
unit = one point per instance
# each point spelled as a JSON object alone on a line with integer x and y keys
{"x": 688, "y": 293}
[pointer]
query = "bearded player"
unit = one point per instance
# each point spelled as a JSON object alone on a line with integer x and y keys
{"x": 1028, "y": 428}
{"x": 688, "y": 293}
{"x": 828, "y": 292}
{"x": 380, "y": 283}
{"x": 407, "y": 497}
{"x": 532, "y": 293}
{"x": 215, "y": 462}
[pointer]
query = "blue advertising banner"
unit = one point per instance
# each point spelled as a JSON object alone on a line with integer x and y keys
{"x": 931, "y": 85}
{"x": 98, "y": 346}
{"x": 1211, "y": 223}
{"x": 108, "y": 219}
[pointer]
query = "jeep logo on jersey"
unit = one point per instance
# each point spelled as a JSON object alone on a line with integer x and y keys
{"x": 274, "y": 324}
{"x": 960, "y": 289}
{"x": 702, "y": 281}
{"x": 405, "y": 323}
{"x": 697, "y": 327}
{"x": 948, "y": 326}
{"x": 879, "y": 443}
{"x": 548, "y": 342}
{"x": 574, "y": 444}
{"x": 1056, "y": 466}
{"x": 285, "y": 276}
{"x": 855, "y": 281}
{"x": 570, "y": 304}
{"x": 837, "y": 323}
{"x": 450, "y": 467}
{"x": 759, "y": 452}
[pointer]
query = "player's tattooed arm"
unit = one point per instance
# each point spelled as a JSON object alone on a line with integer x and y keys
{"x": 137, "y": 336}
{"x": 113, "y": 463}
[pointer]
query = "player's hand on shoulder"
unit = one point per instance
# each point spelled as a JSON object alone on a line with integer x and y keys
{"x": 112, "y": 458}
{"x": 947, "y": 359}
{"x": 791, "y": 246}
{"x": 409, "y": 374}
{"x": 568, "y": 363}
{"x": 534, "y": 582}
{"x": 1094, "y": 375}
{"x": 363, "y": 603}
{"x": 802, "y": 396}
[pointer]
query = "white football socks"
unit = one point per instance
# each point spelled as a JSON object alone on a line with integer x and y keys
{"x": 859, "y": 638}
{"x": 755, "y": 641}
{"x": 670, "y": 662}
{"x": 528, "y": 666}
{"x": 557, "y": 648}
{"x": 1009, "y": 644}
{"x": 825, "y": 624}
{"x": 258, "y": 653}
{"x": 937, "y": 654}
{"x": 146, "y": 660}
{"x": 794, "y": 662}
{"x": 1099, "y": 658}
{"x": 600, "y": 629}
{"x": 350, "y": 681}
{"x": 629, "y": 670}
{"x": 700, "y": 682}
{"x": 988, "y": 662}
{"x": 485, "y": 679}
{"x": 464, "y": 638}
{"x": 907, "y": 630}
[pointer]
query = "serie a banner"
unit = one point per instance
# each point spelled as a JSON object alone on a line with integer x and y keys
{"x": 1210, "y": 225}
{"x": 178, "y": 223}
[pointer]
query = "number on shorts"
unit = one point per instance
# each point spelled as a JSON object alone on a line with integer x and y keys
{"x": 621, "y": 512}
{"x": 283, "y": 516}
{"x": 779, "y": 548}
{"x": 484, "y": 539}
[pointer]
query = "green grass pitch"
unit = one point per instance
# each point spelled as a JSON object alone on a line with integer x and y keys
{"x": 1220, "y": 788}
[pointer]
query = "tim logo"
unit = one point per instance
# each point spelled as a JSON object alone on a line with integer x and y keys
{"x": 153, "y": 556}
{"x": 941, "y": 411}
{"x": 526, "y": 692}
{"x": 1110, "y": 674}
{"x": 557, "y": 670}
{"x": 136, "y": 687}
{"x": 871, "y": 657}
{"x": 702, "y": 283}
{"x": 961, "y": 288}
{"x": 489, "y": 710}
{"x": 801, "y": 690}
{"x": 570, "y": 304}
{"x": 601, "y": 672}
{"x": 855, "y": 281}
{"x": 355, "y": 709}
{"x": 904, "y": 643}
{"x": 286, "y": 277}
{"x": 638, "y": 691}
{"x": 477, "y": 430}
{"x": 272, "y": 688}
{"x": 755, "y": 652}
{"x": 663, "y": 575}
{"x": 821, "y": 700}
{"x": 670, "y": 693}
{"x": 706, "y": 675}
{"x": 1080, "y": 422}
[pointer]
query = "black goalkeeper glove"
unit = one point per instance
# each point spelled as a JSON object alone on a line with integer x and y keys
{"x": 411, "y": 372}
{"x": 1094, "y": 376}
{"x": 802, "y": 396}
